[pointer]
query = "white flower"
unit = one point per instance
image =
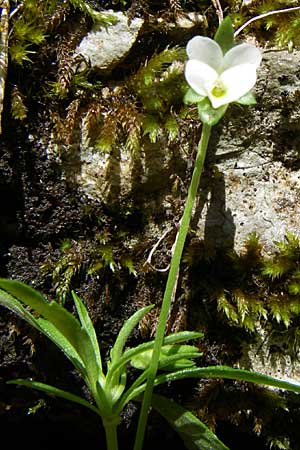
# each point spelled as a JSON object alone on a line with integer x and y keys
{"x": 221, "y": 78}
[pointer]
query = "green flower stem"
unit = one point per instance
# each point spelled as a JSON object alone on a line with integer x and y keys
{"x": 171, "y": 284}
{"x": 111, "y": 434}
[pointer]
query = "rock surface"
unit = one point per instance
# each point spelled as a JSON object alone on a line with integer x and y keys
{"x": 258, "y": 151}
{"x": 105, "y": 47}
{"x": 252, "y": 182}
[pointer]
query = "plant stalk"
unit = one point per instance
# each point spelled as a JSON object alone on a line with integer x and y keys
{"x": 171, "y": 284}
{"x": 111, "y": 435}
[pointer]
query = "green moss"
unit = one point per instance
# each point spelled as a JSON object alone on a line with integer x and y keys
{"x": 79, "y": 260}
{"x": 249, "y": 287}
{"x": 282, "y": 28}
{"x": 146, "y": 105}
{"x": 18, "y": 108}
{"x": 36, "y": 19}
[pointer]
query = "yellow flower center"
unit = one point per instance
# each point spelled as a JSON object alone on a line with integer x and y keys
{"x": 218, "y": 90}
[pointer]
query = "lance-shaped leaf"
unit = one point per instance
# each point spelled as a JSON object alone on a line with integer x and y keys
{"x": 15, "y": 306}
{"x": 61, "y": 319}
{"x": 117, "y": 349}
{"x": 87, "y": 324}
{"x": 44, "y": 326}
{"x": 59, "y": 339}
{"x": 195, "y": 435}
{"x": 228, "y": 373}
{"x": 54, "y": 391}
{"x": 219, "y": 372}
{"x": 117, "y": 372}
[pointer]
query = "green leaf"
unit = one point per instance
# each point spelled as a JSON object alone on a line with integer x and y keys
{"x": 247, "y": 99}
{"x": 54, "y": 391}
{"x": 225, "y": 35}
{"x": 171, "y": 357}
{"x": 15, "y": 306}
{"x": 192, "y": 97}
{"x": 208, "y": 114}
{"x": 193, "y": 432}
{"x": 227, "y": 373}
{"x": 60, "y": 318}
{"x": 117, "y": 349}
{"x": 174, "y": 338}
{"x": 44, "y": 326}
{"x": 87, "y": 324}
{"x": 59, "y": 339}
{"x": 218, "y": 372}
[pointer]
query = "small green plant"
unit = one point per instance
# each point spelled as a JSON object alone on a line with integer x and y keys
{"x": 18, "y": 108}
{"x": 77, "y": 340}
{"x": 219, "y": 73}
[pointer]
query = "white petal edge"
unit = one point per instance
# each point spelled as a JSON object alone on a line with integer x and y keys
{"x": 238, "y": 80}
{"x": 205, "y": 50}
{"x": 242, "y": 54}
{"x": 200, "y": 76}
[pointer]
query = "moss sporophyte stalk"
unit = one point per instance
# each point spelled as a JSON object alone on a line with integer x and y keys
{"x": 210, "y": 71}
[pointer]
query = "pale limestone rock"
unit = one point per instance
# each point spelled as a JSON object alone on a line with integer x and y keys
{"x": 257, "y": 152}
{"x": 255, "y": 149}
{"x": 105, "y": 47}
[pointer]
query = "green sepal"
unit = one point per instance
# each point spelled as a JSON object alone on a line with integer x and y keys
{"x": 194, "y": 433}
{"x": 225, "y": 35}
{"x": 247, "y": 99}
{"x": 172, "y": 357}
{"x": 192, "y": 97}
{"x": 209, "y": 115}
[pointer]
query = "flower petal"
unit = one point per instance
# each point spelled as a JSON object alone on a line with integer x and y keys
{"x": 242, "y": 54}
{"x": 200, "y": 76}
{"x": 205, "y": 50}
{"x": 238, "y": 81}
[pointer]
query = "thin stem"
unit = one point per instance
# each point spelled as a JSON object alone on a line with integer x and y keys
{"x": 171, "y": 284}
{"x": 4, "y": 27}
{"x": 111, "y": 434}
{"x": 262, "y": 16}
{"x": 130, "y": 393}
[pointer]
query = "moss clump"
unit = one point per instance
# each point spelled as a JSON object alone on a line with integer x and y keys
{"x": 248, "y": 287}
{"x": 282, "y": 28}
{"x": 79, "y": 260}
